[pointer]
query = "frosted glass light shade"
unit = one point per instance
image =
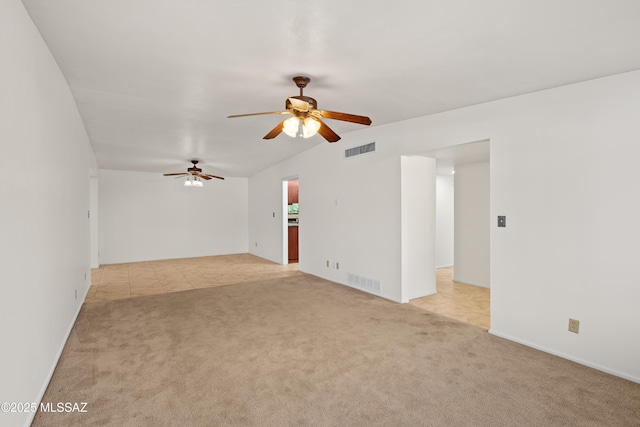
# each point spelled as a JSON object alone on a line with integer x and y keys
{"x": 306, "y": 128}
{"x": 187, "y": 183}
{"x": 291, "y": 126}
{"x": 310, "y": 127}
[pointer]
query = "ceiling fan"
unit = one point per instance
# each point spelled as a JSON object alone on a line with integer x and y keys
{"x": 306, "y": 120}
{"x": 194, "y": 173}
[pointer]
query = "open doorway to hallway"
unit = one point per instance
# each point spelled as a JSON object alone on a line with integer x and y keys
{"x": 462, "y": 234}
{"x": 291, "y": 220}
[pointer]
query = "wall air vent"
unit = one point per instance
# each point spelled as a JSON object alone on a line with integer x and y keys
{"x": 371, "y": 285}
{"x": 362, "y": 149}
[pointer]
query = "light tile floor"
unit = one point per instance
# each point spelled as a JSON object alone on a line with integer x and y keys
{"x": 467, "y": 303}
{"x": 117, "y": 281}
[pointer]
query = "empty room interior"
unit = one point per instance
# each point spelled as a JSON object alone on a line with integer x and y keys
{"x": 319, "y": 214}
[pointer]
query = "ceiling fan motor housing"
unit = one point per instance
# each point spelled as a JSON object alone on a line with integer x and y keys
{"x": 313, "y": 104}
{"x": 194, "y": 169}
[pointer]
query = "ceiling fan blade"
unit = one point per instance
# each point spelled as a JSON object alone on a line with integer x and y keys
{"x": 353, "y": 118}
{"x": 275, "y": 131}
{"x": 204, "y": 176}
{"x": 299, "y": 105}
{"x": 327, "y": 133}
{"x": 175, "y": 174}
{"x": 208, "y": 176}
{"x": 258, "y": 114}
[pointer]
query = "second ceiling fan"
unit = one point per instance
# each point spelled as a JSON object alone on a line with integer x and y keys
{"x": 306, "y": 120}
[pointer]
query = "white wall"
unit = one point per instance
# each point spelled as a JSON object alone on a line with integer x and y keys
{"x": 471, "y": 218}
{"x": 147, "y": 216}
{"x": 94, "y": 222}
{"x": 444, "y": 220}
{"x": 44, "y": 229}
{"x": 349, "y": 213}
{"x": 562, "y": 168}
{"x": 418, "y": 208}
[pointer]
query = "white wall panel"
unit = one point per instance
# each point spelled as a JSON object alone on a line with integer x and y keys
{"x": 349, "y": 213}
{"x": 147, "y": 216}
{"x": 45, "y": 165}
{"x": 418, "y": 205}
{"x": 471, "y": 218}
{"x": 444, "y": 220}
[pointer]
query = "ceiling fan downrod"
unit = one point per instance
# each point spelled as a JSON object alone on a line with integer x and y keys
{"x": 301, "y": 82}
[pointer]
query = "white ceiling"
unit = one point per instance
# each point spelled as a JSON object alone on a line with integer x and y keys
{"x": 155, "y": 79}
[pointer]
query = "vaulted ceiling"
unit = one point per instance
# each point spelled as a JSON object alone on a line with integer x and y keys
{"x": 154, "y": 80}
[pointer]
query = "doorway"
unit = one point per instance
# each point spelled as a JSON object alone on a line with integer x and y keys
{"x": 291, "y": 220}
{"x": 462, "y": 234}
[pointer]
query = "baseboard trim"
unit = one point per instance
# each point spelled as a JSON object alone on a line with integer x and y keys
{"x": 421, "y": 295}
{"x": 57, "y": 358}
{"x": 566, "y": 356}
{"x": 444, "y": 266}
{"x": 471, "y": 283}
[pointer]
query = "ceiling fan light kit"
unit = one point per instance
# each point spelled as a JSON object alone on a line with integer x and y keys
{"x": 304, "y": 127}
{"x": 193, "y": 182}
{"x": 306, "y": 120}
{"x": 194, "y": 175}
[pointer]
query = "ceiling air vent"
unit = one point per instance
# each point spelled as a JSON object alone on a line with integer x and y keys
{"x": 362, "y": 149}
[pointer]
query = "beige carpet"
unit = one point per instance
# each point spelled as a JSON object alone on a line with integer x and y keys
{"x": 301, "y": 351}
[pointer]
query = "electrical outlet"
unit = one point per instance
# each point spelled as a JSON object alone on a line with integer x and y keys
{"x": 337, "y": 266}
{"x": 327, "y": 263}
{"x": 256, "y": 244}
{"x": 574, "y": 326}
{"x": 75, "y": 294}
{"x": 85, "y": 276}
{"x": 502, "y": 221}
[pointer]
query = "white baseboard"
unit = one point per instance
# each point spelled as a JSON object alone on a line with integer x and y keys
{"x": 568, "y": 357}
{"x": 420, "y": 295}
{"x": 57, "y": 358}
{"x": 471, "y": 283}
{"x": 444, "y": 266}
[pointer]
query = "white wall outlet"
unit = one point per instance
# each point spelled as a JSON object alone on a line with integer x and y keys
{"x": 256, "y": 244}
{"x": 75, "y": 293}
{"x": 327, "y": 263}
{"x": 337, "y": 266}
